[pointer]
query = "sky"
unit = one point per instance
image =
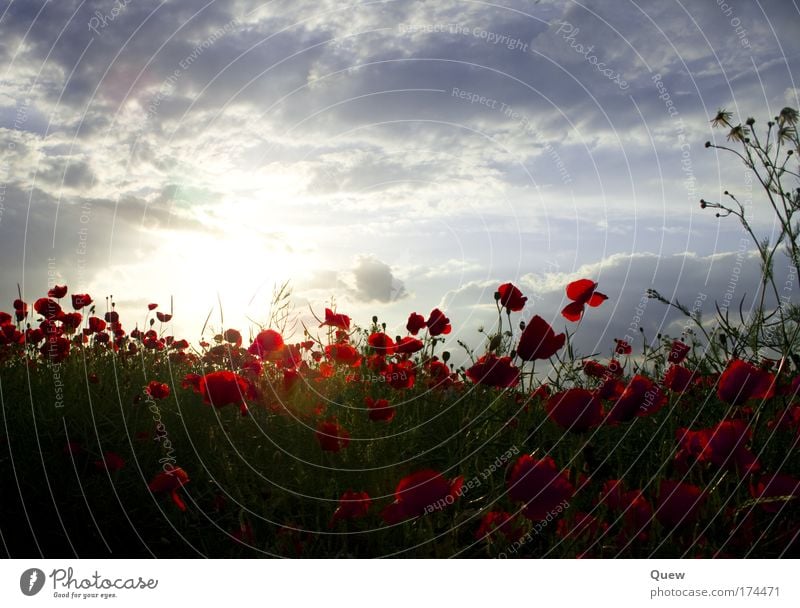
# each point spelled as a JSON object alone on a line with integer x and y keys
{"x": 384, "y": 156}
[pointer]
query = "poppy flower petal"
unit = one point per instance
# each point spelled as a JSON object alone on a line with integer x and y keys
{"x": 573, "y": 311}
{"x": 597, "y": 299}
{"x": 581, "y": 290}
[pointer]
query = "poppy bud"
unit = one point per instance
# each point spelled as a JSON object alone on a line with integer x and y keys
{"x": 152, "y": 322}
{"x": 446, "y": 356}
{"x": 708, "y": 144}
{"x": 497, "y": 295}
{"x": 495, "y": 341}
{"x": 522, "y": 325}
{"x": 375, "y": 318}
{"x": 750, "y": 121}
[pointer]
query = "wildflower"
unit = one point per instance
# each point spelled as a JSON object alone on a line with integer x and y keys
{"x": 170, "y": 482}
{"x": 57, "y": 292}
{"x": 494, "y": 371}
{"x": 438, "y": 323}
{"x": 415, "y": 323}
{"x": 157, "y": 390}
{"x": 539, "y": 341}
{"x": 511, "y": 297}
{"x": 332, "y": 437}
{"x": 352, "y": 505}
{"x": 80, "y": 300}
{"x": 266, "y": 343}
{"x": 539, "y": 484}
{"x": 575, "y": 409}
{"x": 420, "y": 492}
{"x": 742, "y": 381}
{"x": 582, "y": 293}
{"x": 379, "y": 409}
{"x": 339, "y": 321}
{"x": 111, "y": 462}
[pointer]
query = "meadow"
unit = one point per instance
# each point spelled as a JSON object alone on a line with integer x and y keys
{"x": 120, "y": 441}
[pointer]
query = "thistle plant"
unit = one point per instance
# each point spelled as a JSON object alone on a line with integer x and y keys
{"x": 770, "y": 154}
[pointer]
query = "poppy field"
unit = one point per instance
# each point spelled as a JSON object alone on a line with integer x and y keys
{"x": 353, "y": 443}
{"x": 118, "y": 441}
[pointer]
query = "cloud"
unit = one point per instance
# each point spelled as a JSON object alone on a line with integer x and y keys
{"x": 698, "y": 282}
{"x": 374, "y": 282}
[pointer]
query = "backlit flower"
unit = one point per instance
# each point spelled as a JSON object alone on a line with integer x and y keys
{"x": 582, "y": 293}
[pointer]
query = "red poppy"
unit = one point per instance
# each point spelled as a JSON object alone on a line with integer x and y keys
{"x": 381, "y": 343}
{"x": 332, "y": 436}
{"x": 637, "y": 511}
{"x": 339, "y": 321}
{"x": 71, "y": 321}
{"x": 539, "y": 484}
{"x": 440, "y": 374}
{"x": 776, "y": 490}
{"x": 594, "y": 369}
{"x": 55, "y": 348}
{"x": 96, "y": 324}
{"x": 678, "y": 378}
{"x": 408, "y": 346}
{"x": 111, "y": 462}
{"x": 582, "y": 293}
{"x": 49, "y": 309}
{"x": 157, "y": 390}
{"x": 266, "y": 343}
{"x": 192, "y": 381}
{"x": 180, "y": 344}
{"x": 343, "y": 353}
{"x": 539, "y": 341}
{"x": 415, "y": 323}
{"x": 495, "y": 522}
{"x": 494, "y": 371}
{"x": 379, "y": 409}
{"x": 437, "y": 323}
{"x": 511, "y": 297}
{"x": 400, "y": 375}
{"x": 723, "y": 445}
{"x": 352, "y": 505}
{"x": 742, "y": 381}
{"x": 223, "y": 388}
{"x": 641, "y": 397}
{"x": 20, "y": 309}
{"x": 57, "y": 292}
{"x": 421, "y": 492}
{"x": 5, "y": 318}
{"x": 152, "y": 306}
{"x": 233, "y": 337}
{"x": 575, "y": 409}
{"x": 112, "y": 316}
{"x": 678, "y": 352}
{"x": 170, "y": 481}
{"x": 622, "y": 347}
{"x": 79, "y": 300}
{"x": 678, "y": 503}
